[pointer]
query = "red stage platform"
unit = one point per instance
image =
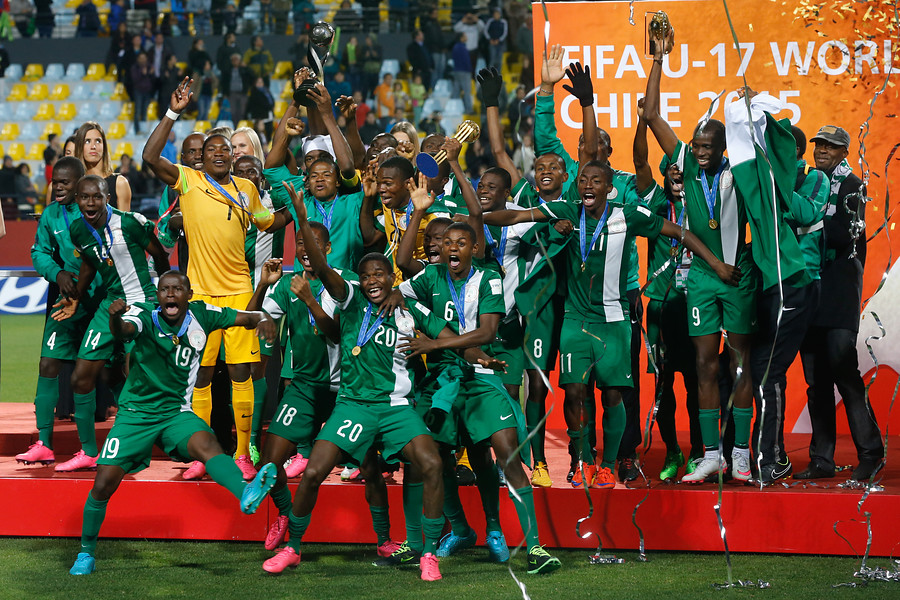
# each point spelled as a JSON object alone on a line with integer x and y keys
{"x": 157, "y": 503}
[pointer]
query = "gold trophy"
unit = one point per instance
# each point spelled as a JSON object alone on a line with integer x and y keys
{"x": 467, "y": 132}
{"x": 659, "y": 31}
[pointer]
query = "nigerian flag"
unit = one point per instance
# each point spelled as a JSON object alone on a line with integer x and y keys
{"x": 763, "y": 157}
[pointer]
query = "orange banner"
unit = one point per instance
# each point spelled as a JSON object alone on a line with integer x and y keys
{"x": 828, "y": 61}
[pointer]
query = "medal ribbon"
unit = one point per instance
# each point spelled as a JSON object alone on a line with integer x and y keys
{"x": 366, "y": 332}
{"x": 582, "y": 233}
{"x": 459, "y": 300}
{"x": 184, "y": 325}
{"x": 228, "y": 196}
{"x": 326, "y": 216}
{"x": 100, "y": 243}
{"x": 674, "y": 241}
{"x": 710, "y": 194}
{"x": 499, "y": 250}
{"x": 312, "y": 319}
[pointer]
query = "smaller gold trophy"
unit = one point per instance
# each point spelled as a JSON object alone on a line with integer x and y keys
{"x": 467, "y": 132}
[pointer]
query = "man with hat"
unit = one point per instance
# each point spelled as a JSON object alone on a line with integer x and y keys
{"x": 829, "y": 350}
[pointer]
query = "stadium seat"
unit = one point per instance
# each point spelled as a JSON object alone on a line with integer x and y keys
{"x": 102, "y": 90}
{"x": 108, "y": 111}
{"x": 122, "y": 148}
{"x": 45, "y": 112}
{"x": 431, "y": 105}
{"x": 202, "y": 126}
{"x": 2, "y": 152}
{"x": 13, "y": 72}
{"x": 283, "y": 70}
{"x": 451, "y": 122}
{"x": 280, "y": 107}
{"x": 17, "y": 93}
{"x": 119, "y": 92}
{"x": 116, "y": 130}
{"x": 30, "y": 131}
{"x": 443, "y": 87}
{"x": 288, "y": 90}
{"x": 127, "y": 112}
{"x": 182, "y": 66}
{"x": 95, "y": 72}
{"x": 6, "y": 112}
{"x": 33, "y": 72}
{"x": 112, "y": 74}
{"x": 276, "y": 87}
{"x": 25, "y": 111}
{"x": 244, "y": 123}
{"x": 389, "y": 65}
{"x": 225, "y": 123}
{"x": 38, "y": 92}
{"x": 153, "y": 111}
{"x": 35, "y": 151}
{"x": 54, "y": 72}
{"x": 9, "y": 131}
{"x": 16, "y": 151}
{"x": 454, "y": 106}
{"x": 86, "y": 109}
{"x": 182, "y": 129}
{"x": 75, "y": 72}
{"x": 60, "y": 92}
{"x": 81, "y": 91}
{"x": 52, "y": 127}
{"x": 213, "y": 111}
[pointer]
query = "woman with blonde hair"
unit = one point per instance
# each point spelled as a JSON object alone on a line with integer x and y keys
{"x": 92, "y": 150}
{"x": 405, "y": 131}
{"x": 245, "y": 141}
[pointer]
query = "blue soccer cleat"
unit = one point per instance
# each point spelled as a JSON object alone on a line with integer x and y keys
{"x": 257, "y": 490}
{"x": 452, "y": 543}
{"x": 496, "y": 545}
{"x": 84, "y": 564}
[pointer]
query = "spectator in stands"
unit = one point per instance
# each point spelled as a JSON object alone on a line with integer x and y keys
{"x": 432, "y": 124}
{"x": 44, "y": 18}
{"x": 51, "y": 153}
{"x": 236, "y": 83}
{"x": 517, "y": 107}
{"x": 398, "y": 117}
{"x": 385, "y": 103}
{"x": 223, "y": 54}
{"x": 125, "y": 61}
{"x": 369, "y": 129}
{"x": 526, "y": 76}
{"x": 201, "y": 11}
{"x": 347, "y": 18}
{"x": 209, "y": 85}
{"x": 169, "y": 79}
{"x": 170, "y": 151}
{"x": 118, "y": 45}
{"x": 404, "y": 131}
{"x": 435, "y": 42}
{"x": 25, "y": 190}
{"x": 117, "y": 13}
{"x": 525, "y": 37}
{"x": 401, "y": 98}
{"x": 298, "y": 51}
{"x": 523, "y": 157}
{"x": 88, "y": 19}
{"x": 92, "y": 149}
{"x": 167, "y": 25}
{"x": 338, "y": 86}
{"x": 148, "y": 33}
{"x": 280, "y": 10}
{"x": 260, "y": 105}
{"x": 420, "y": 58}
{"x": 398, "y": 13}
{"x": 22, "y": 12}
{"x": 304, "y": 16}
{"x": 159, "y": 56}
{"x": 259, "y": 60}
{"x": 417, "y": 95}
{"x": 362, "y": 109}
{"x": 217, "y": 15}
{"x": 230, "y": 17}
{"x": 352, "y": 63}
{"x": 198, "y": 56}
{"x": 142, "y": 87}
{"x": 8, "y": 186}
{"x": 265, "y": 17}
{"x": 371, "y": 59}
{"x": 69, "y": 146}
{"x": 496, "y": 31}
{"x": 473, "y": 28}
{"x": 129, "y": 170}
{"x": 462, "y": 71}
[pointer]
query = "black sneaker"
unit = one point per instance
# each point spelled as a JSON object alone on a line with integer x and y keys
{"x": 404, "y": 556}
{"x": 629, "y": 469}
{"x": 539, "y": 561}
{"x": 815, "y": 471}
{"x": 772, "y": 473}
{"x": 866, "y": 470}
{"x": 464, "y": 475}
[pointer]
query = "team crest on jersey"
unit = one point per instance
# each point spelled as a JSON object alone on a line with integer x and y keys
{"x": 405, "y": 323}
{"x": 727, "y": 179}
{"x": 244, "y": 198}
{"x": 117, "y": 236}
{"x": 471, "y": 294}
{"x": 617, "y": 225}
{"x": 613, "y": 194}
{"x": 197, "y": 339}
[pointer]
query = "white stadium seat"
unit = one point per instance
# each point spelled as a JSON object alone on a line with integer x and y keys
{"x": 13, "y": 72}
{"x": 75, "y": 72}
{"x": 54, "y": 72}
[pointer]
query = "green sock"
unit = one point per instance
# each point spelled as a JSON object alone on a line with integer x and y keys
{"x": 282, "y": 499}
{"x": 742, "y": 418}
{"x": 45, "y": 400}
{"x": 581, "y": 441}
{"x": 527, "y": 515}
{"x": 222, "y": 470}
{"x": 433, "y": 530}
{"x": 534, "y": 412}
{"x": 94, "y": 513}
{"x": 709, "y": 427}
{"x": 613, "y": 428}
{"x": 488, "y": 482}
{"x": 85, "y": 406}
{"x": 259, "y": 400}
{"x": 296, "y": 528}
{"x": 381, "y": 523}
{"x": 412, "y": 511}
{"x": 453, "y": 509}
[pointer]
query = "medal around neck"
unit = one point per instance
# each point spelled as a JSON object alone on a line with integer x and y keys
{"x": 467, "y": 132}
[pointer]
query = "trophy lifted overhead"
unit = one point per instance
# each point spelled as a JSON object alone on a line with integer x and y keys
{"x": 320, "y": 38}
{"x": 659, "y": 31}
{"x": 467, "y": 132}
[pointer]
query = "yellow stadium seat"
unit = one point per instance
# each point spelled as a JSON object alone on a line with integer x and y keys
{"x": 2, "y": 153}
{"x": 60, "y": 92}
{"x": 153, "y": 111}
{"x": 202, "y": 125}
{"x": 52, "y": 127}
{"x": 127, "y": 113}
{"x": 182, "y": 66}
{"x": 283, "y": 70}
{"x": 16, "y": 151}
{"x": 288, "y": 91}
{"x": 214, "y": 111}
{"x": 112, "y": 74}
{"x": 119, "y": 93}
{"x": 72, "y": 3}
{"x": 45, "y": 112}
{"x": 280, "y": 107}
{"x": 244, "y": 123}
{"x": 33, "y": 72}
{"x": 38, "y": 92}
{"x": 17, "y": 93}
{"x": 122, "y": 148}
{"x": 9, "y": 131}
{"x": 66, "y": 111}
{"x": 116, "y": 131}
{"x": 95, "y": 72}
{"x": 36, "y": 151}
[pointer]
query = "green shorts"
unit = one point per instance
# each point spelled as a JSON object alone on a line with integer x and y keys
{"x": 482, "y": 409}
{"x": 355, "y": 426}
{"x": 98, "y": 342}
{"x": 441, "y": 426}
{"x": 301, "y": 412}
{"x": 62, "y": 339}
{"x": 598, "y": 351}
{"x": 713, "y": 305}
{"x": 508, "y": 347}
{"x": 131, "y": 439}
{"x": 541, "y": 341}
{"x": 667, "y": 330}
{"x": 287, "y": 365}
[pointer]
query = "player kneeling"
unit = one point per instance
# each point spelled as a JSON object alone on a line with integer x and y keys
{"x": 155, "y": 405}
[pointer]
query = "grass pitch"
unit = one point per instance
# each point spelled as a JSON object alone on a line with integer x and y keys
{"x": 38, "y": 568}
{"x": 20, "y": 353}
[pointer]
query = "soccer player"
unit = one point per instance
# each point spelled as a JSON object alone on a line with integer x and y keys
{"x": 372, "y": 402}
{"x": 217, "y": 210}
{"x": 113, "y": 244}
{"x": 595, "y": 330}
{"x": 169, "y": 338}
{"x": 715, "y": 213}
{"x": 56, "y": 260}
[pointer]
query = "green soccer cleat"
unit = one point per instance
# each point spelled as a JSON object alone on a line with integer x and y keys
{"x": 674, "y": 461}
{"x": 257, "y": 490}
{"x": 254, "y": 454}
{"x": 84, "y": 564}
{"x": 403, "y": 556}
{"x": 539, "y": 561}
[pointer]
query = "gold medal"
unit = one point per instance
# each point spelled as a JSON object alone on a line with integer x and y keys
{"x": 582, "y": 267}
{"x": 356, "y": 350}
{"x": 315, "y": 330}
{"x": 76, "y": 253}
{"x": 175, "y": 340}
{"x": 713, "y": 224}
{"x": 674, "y": 250}
{"x": 109, "y": 261}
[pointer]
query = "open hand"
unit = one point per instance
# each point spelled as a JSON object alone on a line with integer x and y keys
{"x": 271, "y": 272}
{"x": 416, "y": 346}
{"x": 67, "y": 308}
{"x": 419, "y": 195}
{"x": 181, "y": 97}
{"x": 551, "y": 69}
{"x": 296, "y": 200}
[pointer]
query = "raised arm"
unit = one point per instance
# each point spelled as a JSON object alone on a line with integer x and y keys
{"x": 491, "y": 83}
{"x": 288, "y": 127}
{"x": 583, "y": 88}
{"x": 511, "y": 217}
{"x": 258, "y": 320}
{"x": 120, "y": 328}
{"x": 727, "y": 273}
{"x": 661, "y": 129}
{"x": 370, "y": 234}
{"x": 348, "y": 108}
{"x": 300, "y": 288}
{"x": 422, "y": 200}
{"x": 165, "y": 170}
{"x": 342, "y": 154}
{"x": 640, "y": 152}
{"x": 475, "y": 218}
{"x": 269, "y": 275}
{"x": 545, "y": 135}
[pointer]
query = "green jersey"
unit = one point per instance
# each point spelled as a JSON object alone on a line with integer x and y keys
{"x": 598, "y": 260}
{"x": 661, "y": 285}
{"x": 479, "y": 294}
{"x": 378, "y": 372}
{"x": 162, "y": 376}
{"x": 53, "y": 250}
{"x": 117, "y": 252}
{"x": 260, "y": 246}
{"x": 807, "y": 214}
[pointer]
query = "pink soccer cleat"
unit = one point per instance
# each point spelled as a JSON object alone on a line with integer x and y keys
{"x": 388, "y": 548}
{"x": 196, "y": 471}
{"x": 295, "y": 466}
{"x": 429, "y": 567}
{"x": 288, "y": 557}
{"x": 79, "y": 462}
{"x": 37, "y": 453}
{"x": 244, "y": 463}
{"x": 277, "y": 531}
